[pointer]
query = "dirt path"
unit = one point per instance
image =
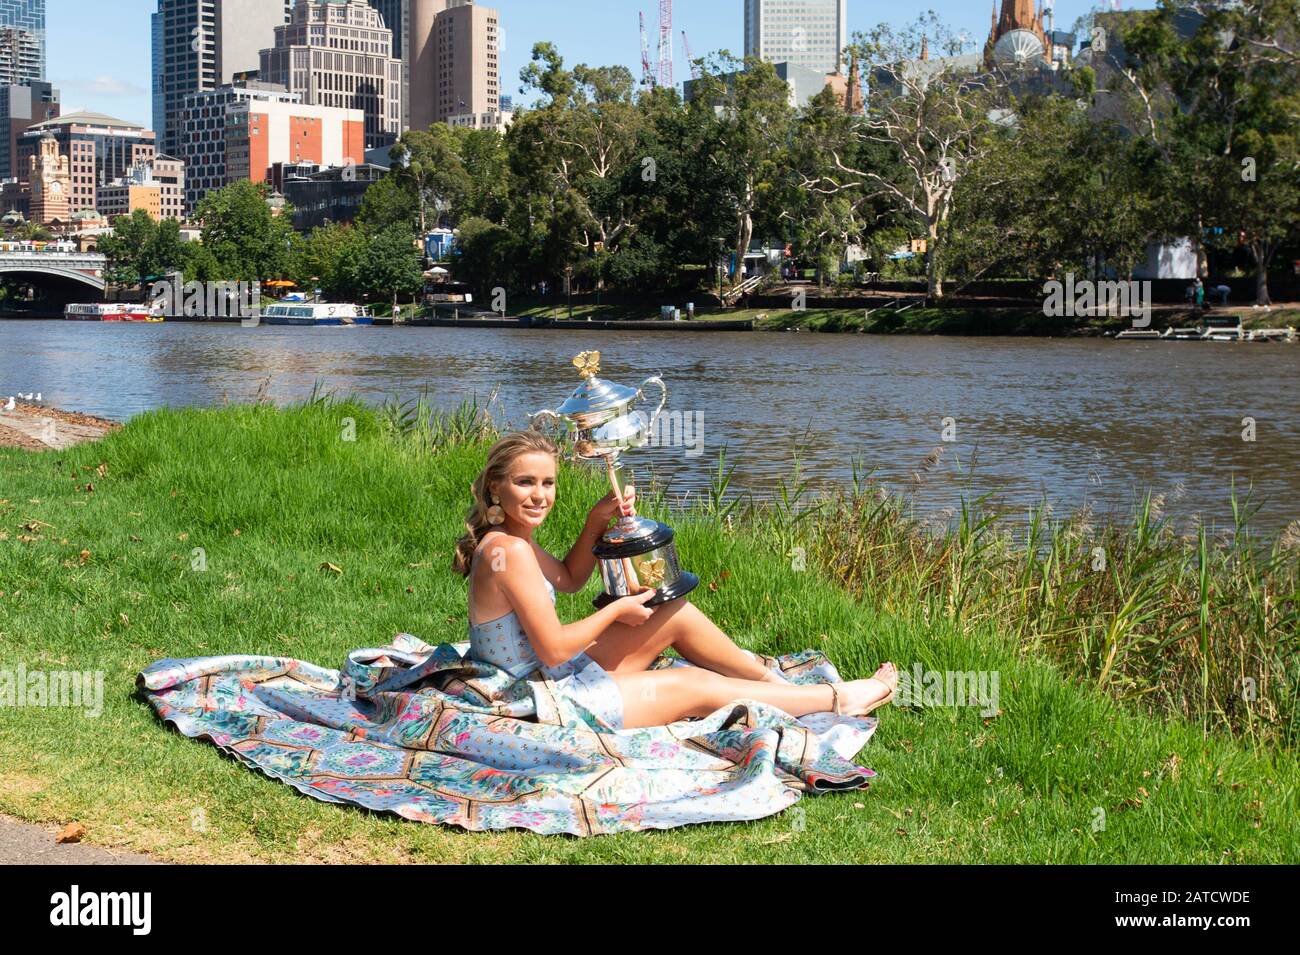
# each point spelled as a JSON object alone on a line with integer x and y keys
{"x": 37, "y": 428}
{"x": 22, "y": 843}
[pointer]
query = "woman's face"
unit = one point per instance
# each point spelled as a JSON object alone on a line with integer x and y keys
{"x": 528, "y": 492}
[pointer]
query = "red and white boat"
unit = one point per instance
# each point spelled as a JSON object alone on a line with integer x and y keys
{"x": 110, "y": 312}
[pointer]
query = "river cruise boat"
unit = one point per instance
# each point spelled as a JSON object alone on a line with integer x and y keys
{"x": 111, "y": 312}
{"x": 324, "y": 314}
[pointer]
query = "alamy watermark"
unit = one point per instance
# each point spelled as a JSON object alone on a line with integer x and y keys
{"x": 679, "y": 429}
{"x": 71, "y": 688}
{"x": 210, "y": 300}
{"x": 1089, "y": 299}
{"x": 977, "y": 688}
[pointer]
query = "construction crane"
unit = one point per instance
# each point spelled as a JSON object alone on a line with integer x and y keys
{"x": 647, "y": 76}
{"x": 666, "y": 43}
{"x": 695, "y": 67}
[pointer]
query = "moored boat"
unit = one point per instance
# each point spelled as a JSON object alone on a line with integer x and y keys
{"x": 110, "y": 312}
{"x": 323, "y": 314}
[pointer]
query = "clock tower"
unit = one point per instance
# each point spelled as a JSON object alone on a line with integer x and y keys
{"x": 51, "y": 183}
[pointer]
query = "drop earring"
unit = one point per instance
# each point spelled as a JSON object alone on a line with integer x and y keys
{"x": 496, "y": 513}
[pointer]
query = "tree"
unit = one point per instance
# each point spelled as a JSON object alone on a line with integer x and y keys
{"x": 1221, "y": 110}
{"x": 740, "y": 123}
{"x": 1055, "y": 190}
{"x": 388, "y": 202}
{"x": 933, "y": 118}
{"x": 248, "y": 242}
{"x": 391, "y": 266}
{"x": 580, "y": 144}
{"x": 428, "y": 162}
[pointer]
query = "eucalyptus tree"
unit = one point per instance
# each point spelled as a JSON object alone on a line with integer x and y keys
{"x": 428, "y": 163}
{"x": 931, "y": 116}
{"x": 1221, "y": 109}
{"x": 739, "y": 125}
{"x": 579, "y": 144}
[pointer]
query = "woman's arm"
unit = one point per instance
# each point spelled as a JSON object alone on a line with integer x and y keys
{"x": 572, "y": 573}
{"x": 552, "y": 641}
{"x": 579, "y": 562}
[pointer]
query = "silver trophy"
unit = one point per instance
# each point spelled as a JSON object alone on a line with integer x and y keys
{"x": 636, "y": 554}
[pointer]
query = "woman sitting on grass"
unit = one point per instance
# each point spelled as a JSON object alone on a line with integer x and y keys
{"x": 600, "y": 663}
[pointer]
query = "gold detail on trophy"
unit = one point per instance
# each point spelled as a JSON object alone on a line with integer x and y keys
{"x": 650, "y": 571}
{"x": 588, "y": 363}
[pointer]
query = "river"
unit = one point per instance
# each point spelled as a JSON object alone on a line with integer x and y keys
{"x": 1074, "y": 421}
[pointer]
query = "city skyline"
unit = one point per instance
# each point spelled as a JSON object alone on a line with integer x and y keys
{"x": 119, "y": 85}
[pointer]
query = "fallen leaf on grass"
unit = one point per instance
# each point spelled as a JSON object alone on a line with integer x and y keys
{"x": 84, "y": 556}
{"x": 72, "y": 832}
{"x": 332, "y": 568}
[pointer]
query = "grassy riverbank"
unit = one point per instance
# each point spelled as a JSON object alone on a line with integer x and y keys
{"x": 1025, "y": 321}
{"x": 96, "y": 554}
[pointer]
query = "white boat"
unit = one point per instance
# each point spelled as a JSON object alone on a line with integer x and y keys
{"x": 1226, "y": 329}
{"x": 1271, "y": 335}
{"x": 1139, "y": 334}
{"x": 110, "y": 312}
{"x": 316, "y": 313}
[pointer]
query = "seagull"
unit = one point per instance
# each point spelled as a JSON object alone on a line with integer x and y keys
{"x": 10, "y": 405}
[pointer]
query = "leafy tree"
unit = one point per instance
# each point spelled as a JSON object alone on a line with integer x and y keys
{"x": 428, "y": 162}
{"x": 1221, "y": 113}
{"x": 248, "y": 242}
{"x": 390, "y": 267}
{"x": 740, "y": 124}
{"x": 933, "y": 119}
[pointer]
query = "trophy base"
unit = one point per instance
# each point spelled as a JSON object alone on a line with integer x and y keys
{"x": 680, "y": 587}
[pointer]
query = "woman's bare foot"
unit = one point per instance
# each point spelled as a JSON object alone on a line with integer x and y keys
{"x": 860, "y": 697}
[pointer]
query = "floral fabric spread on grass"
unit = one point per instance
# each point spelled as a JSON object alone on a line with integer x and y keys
{"x": 433, "y": 736}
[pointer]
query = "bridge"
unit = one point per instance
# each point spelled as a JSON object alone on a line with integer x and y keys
{"x": 84, "y": 269}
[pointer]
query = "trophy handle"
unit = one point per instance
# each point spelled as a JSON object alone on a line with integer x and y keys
{"x": 533, "y": 418}
{"x": 663, "y": 400}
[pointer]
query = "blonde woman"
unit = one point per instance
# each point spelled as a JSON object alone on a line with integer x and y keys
{"x": 601, "y": 661}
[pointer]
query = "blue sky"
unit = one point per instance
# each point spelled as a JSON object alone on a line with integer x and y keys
{"x": 99, "y": 52}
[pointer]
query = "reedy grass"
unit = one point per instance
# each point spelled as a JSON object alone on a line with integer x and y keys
{"x": 277, "y": 499}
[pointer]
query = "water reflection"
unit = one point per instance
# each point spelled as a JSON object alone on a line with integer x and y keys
{"x": 1075, "y": 421}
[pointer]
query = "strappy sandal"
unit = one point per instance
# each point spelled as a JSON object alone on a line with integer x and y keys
{"x": 835, "y": 700}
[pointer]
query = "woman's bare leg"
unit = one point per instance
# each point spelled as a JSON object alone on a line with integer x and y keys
{"x": 680, "y": 625}
{"x": 659, "y": 697}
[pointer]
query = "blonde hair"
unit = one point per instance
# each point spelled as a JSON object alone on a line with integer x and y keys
{"x": 499, "y": 459}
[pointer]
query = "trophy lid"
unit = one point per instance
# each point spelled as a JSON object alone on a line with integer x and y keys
{"x": 594, "y": 394}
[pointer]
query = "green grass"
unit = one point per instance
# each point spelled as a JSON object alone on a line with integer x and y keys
{"x": 105, "y": 582}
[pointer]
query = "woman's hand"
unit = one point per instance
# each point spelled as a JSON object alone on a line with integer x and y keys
{"x": 608, "y": 508}
{"x": 631, "y": 610}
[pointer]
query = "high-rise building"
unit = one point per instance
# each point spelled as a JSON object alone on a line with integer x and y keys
{"x": 241, "y": 132}
{"x": 806, "y": 33}
{"x": 396, "y": 15}
{"x": 21, "y": 107}
{"x": 202, "y": 121}
{"x": 339, "y": 53}
{"x": 455, "y": 68}
{"x": 20, "y": 57}
{"x": 27, "y": 16}
{"x": 200, "y": 45}
{"x": 98, "y": 149}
